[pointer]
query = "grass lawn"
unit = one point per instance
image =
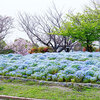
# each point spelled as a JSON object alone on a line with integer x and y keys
{"x": 33, "y": 90}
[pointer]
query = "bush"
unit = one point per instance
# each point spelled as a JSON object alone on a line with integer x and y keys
{"x": 40, "y": 50}
{"x": 7, "y": 51}
{"x": 91, "y": 49}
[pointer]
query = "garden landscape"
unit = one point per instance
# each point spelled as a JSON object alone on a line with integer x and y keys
{"x": 60, "y": 61}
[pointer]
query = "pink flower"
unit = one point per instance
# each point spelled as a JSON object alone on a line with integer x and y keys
{"x": 20, "y": 46}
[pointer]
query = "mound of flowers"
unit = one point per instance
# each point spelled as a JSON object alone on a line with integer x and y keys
{"x": 62, "y": 67}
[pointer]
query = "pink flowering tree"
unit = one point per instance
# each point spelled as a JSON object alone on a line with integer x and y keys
{"x": 20, "y": 46}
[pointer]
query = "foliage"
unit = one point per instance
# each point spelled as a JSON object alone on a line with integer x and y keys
{"x": 66, "y": 30}
{"x": 7, "y": 51}
{"x": 2, "y": 44}
{"x": 82, "y": 27}
{"x": 87, "y": 25}
{"x": 40, "y": 50}
{"x": 86, "y": 29}
{"x": 91, "y": 49}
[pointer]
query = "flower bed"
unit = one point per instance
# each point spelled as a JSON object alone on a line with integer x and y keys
{"x": 69, "y": 67}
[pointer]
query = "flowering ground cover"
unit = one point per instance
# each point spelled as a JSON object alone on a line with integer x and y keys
{"x": 69, "y": 67}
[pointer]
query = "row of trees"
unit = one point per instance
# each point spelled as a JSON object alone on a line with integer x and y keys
{"x": 56, "y": 32}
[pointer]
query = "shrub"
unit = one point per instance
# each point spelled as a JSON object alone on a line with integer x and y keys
{"x": 84, "y": 49}
{"x": 91, "y": 49}
{"x": 40, "y": 50}
{"x": 7, "y": 51}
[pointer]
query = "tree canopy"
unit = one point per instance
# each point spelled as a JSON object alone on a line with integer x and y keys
{"x": 83, "y": 27}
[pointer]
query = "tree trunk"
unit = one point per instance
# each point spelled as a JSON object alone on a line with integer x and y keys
{"x": 89, "y": 48}
{"x": 63, "y": 48}
{"x": 67, "y": 50}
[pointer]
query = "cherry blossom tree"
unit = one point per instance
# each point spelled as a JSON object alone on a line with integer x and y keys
{"x": 20, "y": 46}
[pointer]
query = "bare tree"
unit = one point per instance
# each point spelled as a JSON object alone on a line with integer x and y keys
{"x": 38, "y": 28}
{"x": 5, "y": 26}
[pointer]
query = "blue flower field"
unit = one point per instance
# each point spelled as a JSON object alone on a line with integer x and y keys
{"x": 62, "y": 67}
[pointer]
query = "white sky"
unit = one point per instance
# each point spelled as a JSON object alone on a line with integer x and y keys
{"x": 12, "y": 7}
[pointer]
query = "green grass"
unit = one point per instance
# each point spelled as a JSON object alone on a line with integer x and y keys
{"x": 27, "y": 89}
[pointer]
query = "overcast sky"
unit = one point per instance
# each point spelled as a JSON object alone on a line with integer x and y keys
{"x": 12, "y": 7}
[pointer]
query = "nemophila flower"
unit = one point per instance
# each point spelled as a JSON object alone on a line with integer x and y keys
{"x": 80, "y": 74}
{"x": 37, "y": 73}
{"x": 30, "y": 68}
{"x": 4, "y": 71}
{"x": 97, "y": 75}
{"x": 28, "y": 72}
{"x": 54, "y": 77}
{"x": 85, "y": 68}
{"x": 1, "y": 72}
{"x": 12, "y": 73}
{"x": 10, "y": 68}
{"x": 33, "y": 76}
{"x": 42, "y": 57}
{"x": 27, "y": 62}
{"x": 61, "y": 78}
{"x": 69, "y": 71}
{"x": 48, "y": 79}
{"x": 90, "y": 55}
{"x": 49, "y": 76}
{"x": 76, "y": 67}
{"x": 87, "y": 79}
{"x": 89, "y": 62}
{"x": 22, "y": 71}
{"x": 98, "y": 64}
{"x": 3, "y": 65}
{"x": 89, "y": 73}
{"x": 37, "y": 69}
{"x": 94, "y": 68}
{"x": 10, "y": 55}
{"x": 38, "y": 77}
{"x": 68, "y": 77}
{"x": 59, "y": 68}
{"x": 43, "y": 77}
{"x": 22, "y": 67}
{"x": 93, "y": 79}
{"x": 7, "y": 74}
{"x": 62, "y": 66}
{"x": 24, "y": 76}
{"x": 1, "y": 68}
{"x": 18, "y": 74}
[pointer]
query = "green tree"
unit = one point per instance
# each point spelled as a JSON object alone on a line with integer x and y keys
{"x": 2, "y": 44}
{"x": 86, "y": 29}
